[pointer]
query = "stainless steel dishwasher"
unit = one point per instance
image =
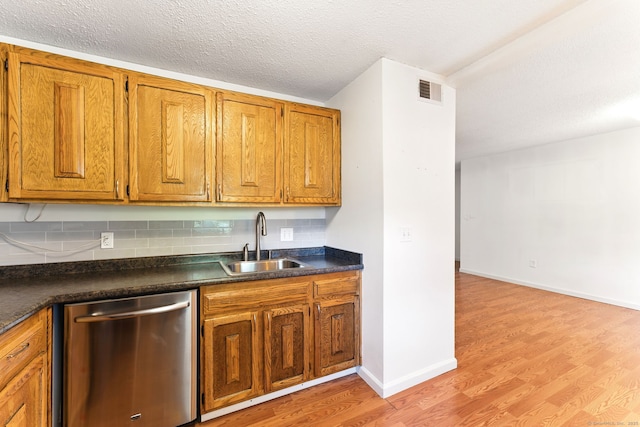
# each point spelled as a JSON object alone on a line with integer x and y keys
{"x": 130, "y": 362}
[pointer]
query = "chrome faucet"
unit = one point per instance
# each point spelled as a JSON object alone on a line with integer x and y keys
{"x": 261, "y": 228}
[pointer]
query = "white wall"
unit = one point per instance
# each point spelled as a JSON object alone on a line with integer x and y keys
{"x": 401, "y": 164}
{"x": 358, "y": 223}
{"x": 571, "y": 209}
{"x": 457, "y": 214}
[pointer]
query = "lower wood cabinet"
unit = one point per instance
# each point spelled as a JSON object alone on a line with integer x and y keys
{"x": 23, "y": 399}
{"x": 259, "y": 337}
{"x": 24, "y": 373}
{"x": 231, "y": 359}
{"x": 336, "y": 331}
{"x": 337, "y": 323}
{"x": 286, "y": 346}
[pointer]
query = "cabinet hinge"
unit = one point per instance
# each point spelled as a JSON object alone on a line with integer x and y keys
{"x": 127, "y": 190}
{"x": 6, "y": 186}
{"x": 281, "y": 111}
{"x": 6, "y": 64}
{"x": 202, "y": 399}
{"x": 126, "y": 85}
{"x": 202, "y": 330}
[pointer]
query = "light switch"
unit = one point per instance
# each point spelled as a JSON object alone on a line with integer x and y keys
{"x": 405, "y": 234}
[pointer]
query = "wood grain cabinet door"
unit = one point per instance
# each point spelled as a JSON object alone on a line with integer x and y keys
{"x": 312, "y": 155}
{"x": 170, "y": 140}
{"x": 65, "y": 120}
{"x": 249, "y": 149}
{"x": 337, "y": 335}
{"x": 286, "y": 346}
{"x": 232, "y": 356}
{"x": 23, "y": 401}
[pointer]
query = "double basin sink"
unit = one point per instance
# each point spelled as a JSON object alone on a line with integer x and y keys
{"x": 236, "y": 268}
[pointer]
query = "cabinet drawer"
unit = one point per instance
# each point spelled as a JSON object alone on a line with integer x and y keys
{"x": 239, "y": 296}
{"x": 340, "y": 285}
{"x": 21, "y": 344}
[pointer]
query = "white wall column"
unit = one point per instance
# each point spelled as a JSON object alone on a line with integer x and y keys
{"x": 398, "y": 157}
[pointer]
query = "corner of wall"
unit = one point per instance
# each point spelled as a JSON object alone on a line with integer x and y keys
{"x": 408, "y": 381}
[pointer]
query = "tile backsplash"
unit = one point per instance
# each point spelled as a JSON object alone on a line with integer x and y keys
{"x": 64, "y": 241}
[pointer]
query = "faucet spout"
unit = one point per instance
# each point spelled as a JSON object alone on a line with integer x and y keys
{"x": 261, "y": 229}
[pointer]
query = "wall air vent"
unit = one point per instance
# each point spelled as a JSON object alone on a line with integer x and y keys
{"x": 430, "y": 91}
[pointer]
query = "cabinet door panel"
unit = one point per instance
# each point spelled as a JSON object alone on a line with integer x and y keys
{"x": 65, "y": 127}
{"x": 23, "y": 402}
{"x": 231, "y": 365}
{"x": 337, "y": 335}
{"x": 312, "y": 155}
{"x": 170, "y": 140}
{"x": 286, "y": 347}
{"x": 249, "y": 149}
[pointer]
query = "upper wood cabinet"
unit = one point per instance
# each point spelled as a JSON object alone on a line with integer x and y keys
{"x": 249, "y": 149}
{"x": 250, "y": 167}
{"x": 170, "y": 140}
{"x": 65, "y": 122}
{"x": 71, "y": 132}
{"x": 311, "y": 155}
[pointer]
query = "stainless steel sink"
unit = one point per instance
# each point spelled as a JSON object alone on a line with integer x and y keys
{"x": 262, "y": 266}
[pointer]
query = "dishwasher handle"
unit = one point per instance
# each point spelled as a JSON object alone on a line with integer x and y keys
{"x": 102, "y": 317}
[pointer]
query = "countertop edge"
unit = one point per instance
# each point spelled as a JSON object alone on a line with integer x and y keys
{"x": 323, "y": 260}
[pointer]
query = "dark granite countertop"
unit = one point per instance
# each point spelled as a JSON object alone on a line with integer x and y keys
{"x": 26, "y": 289}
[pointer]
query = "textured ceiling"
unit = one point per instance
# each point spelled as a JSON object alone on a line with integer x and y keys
{"x": 527, "y": 72}
{"x": 576, "y": 76}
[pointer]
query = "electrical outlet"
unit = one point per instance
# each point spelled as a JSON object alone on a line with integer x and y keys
{"x": 106, "y": 240}
{"x": 286, "y": 234}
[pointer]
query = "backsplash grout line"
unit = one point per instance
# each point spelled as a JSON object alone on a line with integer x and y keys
{"x": 144, "y": 238}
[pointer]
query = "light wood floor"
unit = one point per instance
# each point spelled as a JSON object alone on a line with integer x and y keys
{"x": 525, "y": 358}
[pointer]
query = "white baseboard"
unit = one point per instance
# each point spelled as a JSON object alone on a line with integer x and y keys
{"x": 562, "y": 291}
{"x": 264, "y": 398}
{"x": 371, "y": 380}
{"x": 388, "y": 389}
